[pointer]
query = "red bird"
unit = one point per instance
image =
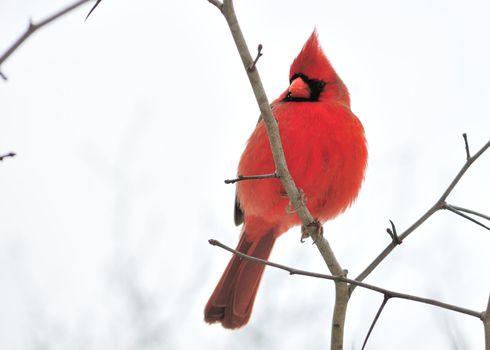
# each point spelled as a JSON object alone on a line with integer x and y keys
{"x": 326, "y": 153}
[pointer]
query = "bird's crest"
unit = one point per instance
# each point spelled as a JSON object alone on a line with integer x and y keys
{"x": 313, "y": 63}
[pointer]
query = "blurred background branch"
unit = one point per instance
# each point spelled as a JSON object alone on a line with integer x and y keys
{"x": 7, "y": 155}
{"x": 32, "y": 27}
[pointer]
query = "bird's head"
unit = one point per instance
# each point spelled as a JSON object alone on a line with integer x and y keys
{"x": 312, "y": 77}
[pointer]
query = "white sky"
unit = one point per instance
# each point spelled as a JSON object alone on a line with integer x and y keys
{"x": 126, "y": 125}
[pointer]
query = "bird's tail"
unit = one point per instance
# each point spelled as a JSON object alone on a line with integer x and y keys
{"x": 233, "y": 298}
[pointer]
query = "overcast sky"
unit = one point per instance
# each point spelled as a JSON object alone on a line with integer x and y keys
{"x": 126, "y": 125}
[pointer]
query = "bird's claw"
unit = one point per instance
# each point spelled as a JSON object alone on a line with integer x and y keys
{"x": 318, "y": 230}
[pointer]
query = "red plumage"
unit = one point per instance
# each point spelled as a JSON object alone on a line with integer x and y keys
{"x": 326, "y": 154}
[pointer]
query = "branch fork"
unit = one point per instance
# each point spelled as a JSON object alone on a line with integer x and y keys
{"x": 438, "y": 205}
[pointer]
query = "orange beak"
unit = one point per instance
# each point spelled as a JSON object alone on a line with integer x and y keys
{"x": 299, "y": 89}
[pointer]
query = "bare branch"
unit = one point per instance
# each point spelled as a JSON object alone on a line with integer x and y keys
{"x": 93, "y": 8}
{"x": 7, "y": 155}
{"x": 469, "y": 211}
{"x": 252, "y": 177}
{"x": 486, "y": 325}
{"x": 441, "y": 202}
{"x": 466, "y": 146}
{"x": 259, "y": 54}
{"x": 381, "y": 307}
{"x": 463, "y": 170}
{"x": 32, "y": 27}
{"x": 455, "y": 211}
{"x": 392, "y": 294}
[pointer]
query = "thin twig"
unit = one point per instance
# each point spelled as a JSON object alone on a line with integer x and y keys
{"x": 441, "y": 202}
{"x": 93, "y": 8}
{"x": 7, "y": 155}
{"x": 486, "y": 325}
{"x": 382, "y": 306}
{"x": 259, "y": 54}
{"x": 32, "y": 27}
{"x": 252, "y": 177}
{"x": 455, "y": 211}
{"x": 463, "y": 170}
{"x": 466, "y": 146}
{"x": 469, "y": 211}
{"x": 393, "y": 234}
{"x": 392, "y": 294}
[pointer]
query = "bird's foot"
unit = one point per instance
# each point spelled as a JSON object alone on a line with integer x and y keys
{"x": 318, "y": 230}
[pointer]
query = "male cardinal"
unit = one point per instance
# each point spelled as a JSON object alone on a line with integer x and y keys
{"x": 326, "y": 153}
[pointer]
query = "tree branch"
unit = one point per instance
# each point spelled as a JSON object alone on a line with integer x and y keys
{"x": 259, "y": 54}
{"x": 7, "y": 155}
{"x": 469, "y": 211}
{"x": 466, "y": 146}
{"x": 380, "y": 310}
{"x": 486, "y": 325}
{"x": 93, "y": 8}
{"x": 390, "y": 293}
{"x": 440, "y": 204}
{"x": 252, "y": 177}
{"x": 457, "y": 212}
{"x": 33, "y": 27}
